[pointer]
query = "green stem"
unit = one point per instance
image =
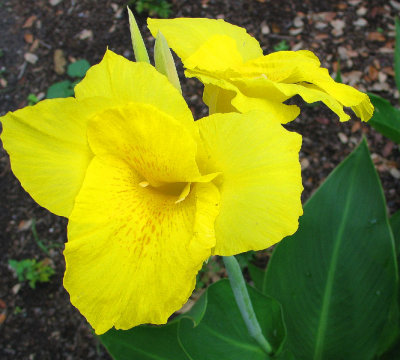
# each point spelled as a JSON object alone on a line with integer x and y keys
{"x": 244, "y": 303}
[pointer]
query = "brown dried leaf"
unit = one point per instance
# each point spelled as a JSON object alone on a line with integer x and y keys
{"x": 28, "y": 37}
{"x": 275, "y": 28}
{"x": 375, "y": 36}
{"x": 388, "y": 70}
{"x": 373, "y": 73}
{"x": 59, "y": 61}
{"x": 24, "y": 225}
{"x": 356, "y": 126}
{"x": 387, "y": 149}
{"x": 29, "y": 21}
{"x": 34, "y": 45}
{"x": 321, "y": 36}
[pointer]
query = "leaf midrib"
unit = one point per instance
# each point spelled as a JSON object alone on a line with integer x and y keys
{"x": 326, "y": 300}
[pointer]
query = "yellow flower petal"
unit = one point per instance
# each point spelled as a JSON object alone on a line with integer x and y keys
{"x": 217, "y": 54}
{"x": 224, "y": 96}
{"x": 123, "y": 81}
{"x": 218, "y": 99}
{"x": 260, "y": 184}
{"x": 153, "y": 143}
{"x": 281, "y": 66}
{"x": 133, "y": 253}
{"x": 48, "y": 149}
{"x": 258, "y": 82}
{"x": 299, "y": 72}
{"x": 186, "y": 35}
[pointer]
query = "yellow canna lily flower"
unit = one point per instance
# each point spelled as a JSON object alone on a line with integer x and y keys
{"x": 238, "y": 77}
{"x": 149, "y": 193}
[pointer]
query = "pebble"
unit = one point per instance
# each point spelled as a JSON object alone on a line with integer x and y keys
{"x": 395, "y": 4}
{"x": 296, "y": 31}
{"x": 265, "y": 30}
{"x": 320, "y": 25}
{"x": 31, "y": 58}
{"x": 305, "y": 163}
{"x": 338, "y": 26}
{"x": 362, "y": 11}
{"x": 16, "y": 288}
{"x": 298, "y": 22}
{"x": 343, "y": 138}
{"x": 395, "y": 173}
{"x": 361, "y": 22}
{"x": 85, "y": 34}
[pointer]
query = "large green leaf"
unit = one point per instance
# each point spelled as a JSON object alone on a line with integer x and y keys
{"x": 395, "y": 224}
{"x": 336, "y": 277}
{"x": 386, "y": 118}
{"x": 257, "y": 275}
{"x": 222, "y": 333}
{"x": 144, "y": 343}
{"x": 152, "y": 342}
{"x": 212, "y": 329}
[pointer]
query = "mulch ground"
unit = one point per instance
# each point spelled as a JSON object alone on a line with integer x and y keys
{"x": 41, "y": 323}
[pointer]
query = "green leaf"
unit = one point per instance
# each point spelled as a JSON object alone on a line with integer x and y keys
{"x": 393, "y": 353}
{"x": 397, "y": 53}
{"x": 165, "y": 62}
{"x": 395, "y": 224}
{"x": 152, "y": 342}
{"x": 144, "y": 343}
{"x": 60, "y": 89}
{"x": 139, "y": 49}
{"x": 390, "y": 337}
{"x": 257, "y": 275}
{"x": 213, "y": 326}
{"x": 386, "y": 118}
{"x": 336, "y": 277}
{"x": 78, "y": 68}
{"x": 222, "y": 333}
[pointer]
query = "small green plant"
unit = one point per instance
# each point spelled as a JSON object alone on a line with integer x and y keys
{"x": 42, "y": 243}
{"x": 17, "y": 310}
{"x": 161, "y": 8}
{"x": 32, "y": 271}
{"x": 32, "y": 99}
{"x": 338, "y": 77}
{"x": 282, "y": 46}
{"x": 76, "y": 71}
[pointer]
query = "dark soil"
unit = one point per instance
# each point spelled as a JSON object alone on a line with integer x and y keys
{"x": 41, "y": 323}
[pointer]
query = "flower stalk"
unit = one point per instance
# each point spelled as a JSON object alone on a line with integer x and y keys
{"x": 244, "y": 303}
